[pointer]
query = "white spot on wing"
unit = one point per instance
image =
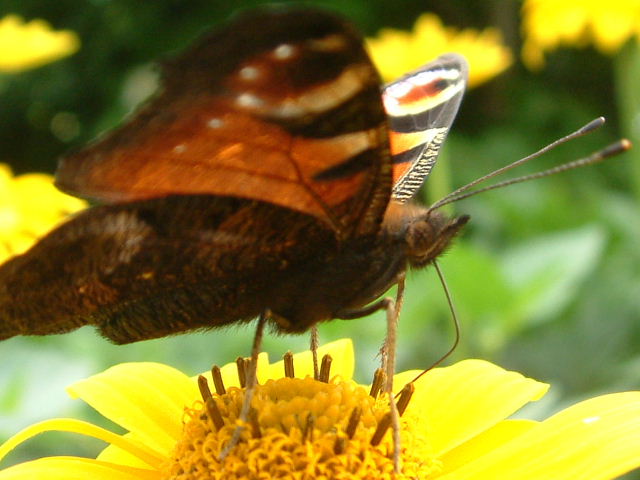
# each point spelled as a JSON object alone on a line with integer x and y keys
{"x": 180, "y": 148}
{"x": 214, "y": 123}
{"x": 249, "y": 73}
{"x": 330, "y": 43}
{"x": 248, "y": 100}
{"x": 324, "y": 97}
{"x": 428, "y": 76}
{"x": 399, "y": 89}
{"x": 284, "y": 52}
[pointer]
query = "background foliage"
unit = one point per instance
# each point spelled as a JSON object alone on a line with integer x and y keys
{"x": 546, "y": 279}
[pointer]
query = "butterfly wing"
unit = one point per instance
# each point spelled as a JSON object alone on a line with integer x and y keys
{"x": 151, "y": 268}
{"x": 420, "y": 109}
{"x": 282, "y": 105}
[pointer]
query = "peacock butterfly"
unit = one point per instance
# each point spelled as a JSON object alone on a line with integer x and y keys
{"x": 270, "y": 173}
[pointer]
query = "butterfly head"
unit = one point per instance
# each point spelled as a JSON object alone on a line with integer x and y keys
{"x": 424, "y": 233}
{"x": 429, "y": 234}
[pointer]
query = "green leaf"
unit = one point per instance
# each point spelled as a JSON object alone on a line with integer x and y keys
{"x": 546, "y": 273}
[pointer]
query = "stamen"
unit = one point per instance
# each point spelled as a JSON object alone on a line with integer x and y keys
{"x": 214, "y": 413}
{"x": 378, "y": 381}
{"x": 382, "y": 428}
{"x": 241, "y": 365}
{"x": 217, "y": 380}
{"x": 255, "y": 425}
{"x": 203, "y": 385}
{"x": 307, "y": 433}
{"x": 284, "y": 429}
{"x": 315, "y": 343}
{"x": 212, "y": 408}
{"x": 298, "y": 419}
{"x": 405, "y": 396}
{"x": 288, "y": 365}
{"x": 325, "y": 369}
{"x": 354, "y": 419}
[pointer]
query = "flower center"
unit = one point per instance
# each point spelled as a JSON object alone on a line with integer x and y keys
{"x": 297, "y": 428}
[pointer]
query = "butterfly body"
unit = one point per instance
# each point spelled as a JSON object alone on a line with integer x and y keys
{"x": 265, "y": 175}
{"x": 180, "y": 263}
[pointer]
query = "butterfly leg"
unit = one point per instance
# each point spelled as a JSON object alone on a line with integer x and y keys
{"x": 392, "y": 307}
{"x": 393, "y": 313}
{"x": 251, "y": 381}
{"x": 315, "y": 342}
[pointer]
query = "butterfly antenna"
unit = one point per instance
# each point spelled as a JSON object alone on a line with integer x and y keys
{"x": 609, "y": 151}
{"x": 456, "y": 324}
{"x": 593, "y": 125}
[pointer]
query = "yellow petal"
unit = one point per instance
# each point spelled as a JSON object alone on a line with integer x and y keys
{"x": 23, "y": 219}
{"x": 75, "y": 468}
{"x": 549, "y": 24}
{"x": 597, "y": 439}
{"x": 84, "y": 428}
{"x": 456, "y": 403}
{"x": 402, "y": 378}
{"x": 148, "y": 399}
{"x": 29, "y": 45}
{"x": 396, "y": 52}
{"x": 341, "y": 352}
{"x": 484, "y": 443}
{"x": 115, "y": 454}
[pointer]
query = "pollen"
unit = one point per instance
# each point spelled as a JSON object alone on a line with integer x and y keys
{"x": 298, "y": 428}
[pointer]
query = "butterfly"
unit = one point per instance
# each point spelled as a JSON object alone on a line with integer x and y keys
{"x": 270, "y": 172}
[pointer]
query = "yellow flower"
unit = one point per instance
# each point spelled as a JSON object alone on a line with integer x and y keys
{"x": 453, "y": 428}
{"x": 396, "y": 52}
{"x": 30, "y": 45}
{"x": 549, "y": 24}
{"x": 29, "y": 207}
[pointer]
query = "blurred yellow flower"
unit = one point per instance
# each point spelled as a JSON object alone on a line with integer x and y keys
{"x": 30, "y": 45}
{"x": 396, "y": 52}
{"x": 549, "y": 24}
{"x": 29, "y": 207}
{"x": 453, "y": 428}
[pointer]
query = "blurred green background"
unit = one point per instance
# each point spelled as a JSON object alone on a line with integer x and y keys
{"x": 546, "y": 278}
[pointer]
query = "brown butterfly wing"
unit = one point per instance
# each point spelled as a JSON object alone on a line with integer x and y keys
{"x": 281, "y": 105}
{"x": 152, "y": 268}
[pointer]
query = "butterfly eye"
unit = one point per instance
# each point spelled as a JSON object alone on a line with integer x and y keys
{"x": 429, "y": 235}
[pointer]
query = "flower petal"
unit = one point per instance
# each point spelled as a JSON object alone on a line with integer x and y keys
{"x": 456, "y": 403}
{"x": 23, "y": 219}
{"x": 596, "y": 439}
{"x": 395, "y": 52}
{"x": 114, "y": 454}
{"x": 148, "y": 399}
{"x": 341, "y": 352}
{"x": 25, "y": 45}
{"x": 137, "y": 449}
{"x": 75, "y": 468}
{"x": 484, "y": 443}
